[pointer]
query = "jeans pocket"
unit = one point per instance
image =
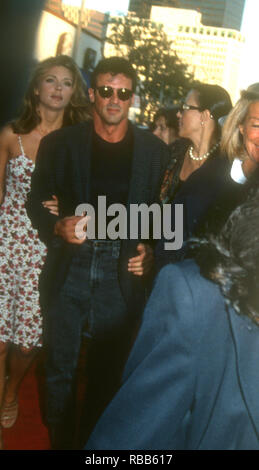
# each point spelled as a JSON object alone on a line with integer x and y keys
{"x": 115, "y": 252}
{"x": 77, "y": 280}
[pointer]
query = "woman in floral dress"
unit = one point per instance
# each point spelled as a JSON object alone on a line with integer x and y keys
{"x": 55, "y": 98}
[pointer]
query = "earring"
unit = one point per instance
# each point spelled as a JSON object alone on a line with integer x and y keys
{"x": 202, "y": 123}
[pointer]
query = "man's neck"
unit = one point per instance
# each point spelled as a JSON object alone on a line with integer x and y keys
{"x": 111, "y": 133}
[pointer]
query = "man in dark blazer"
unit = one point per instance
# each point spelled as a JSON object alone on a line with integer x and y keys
{"x": 96, "y": 286}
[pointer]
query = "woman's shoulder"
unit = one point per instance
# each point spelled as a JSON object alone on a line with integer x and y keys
{"x": 185, "y": 272}
{"x": 7, "y": 133}
{"x": 216, "y": 164}
{"x": 214, "y": 173}
{"x": 8, "y": 138}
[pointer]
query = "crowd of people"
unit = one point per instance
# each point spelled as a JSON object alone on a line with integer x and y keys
{"x": 171, "y": 335}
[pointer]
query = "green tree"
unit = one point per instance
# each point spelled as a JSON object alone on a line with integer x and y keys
{"x": 163, "y": 78}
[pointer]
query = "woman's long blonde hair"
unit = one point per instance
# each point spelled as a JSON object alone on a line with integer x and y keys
{"x": 231, "y": 139}
{"x": 78, "y": 109}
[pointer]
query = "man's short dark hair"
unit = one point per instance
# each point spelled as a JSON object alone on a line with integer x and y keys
{"x": 114, "y": 66}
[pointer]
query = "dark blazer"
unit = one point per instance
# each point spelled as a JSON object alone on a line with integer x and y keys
{"x": 63, "y": 168}
{"x": 192, "y": 378}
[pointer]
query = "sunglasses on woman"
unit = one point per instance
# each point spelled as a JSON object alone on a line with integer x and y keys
{"x": 187, "y": 107}
{"x": 123, "y": 94}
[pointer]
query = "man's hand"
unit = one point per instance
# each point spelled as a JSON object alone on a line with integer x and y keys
{"x": 72, "y": 229}
{"x": 142, "y": 264}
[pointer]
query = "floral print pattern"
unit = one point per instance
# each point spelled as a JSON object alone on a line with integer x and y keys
{"x": 21, "y": 258}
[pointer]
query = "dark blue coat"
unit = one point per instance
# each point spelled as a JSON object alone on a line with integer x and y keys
{"x": 192, "y": 378}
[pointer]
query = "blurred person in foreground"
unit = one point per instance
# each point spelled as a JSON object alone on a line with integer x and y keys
{"x": 191, "y": 381}
{"x": 55, "y": 98}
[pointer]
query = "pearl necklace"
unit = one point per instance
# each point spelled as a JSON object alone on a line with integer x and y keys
{"x": 203, "y": 157}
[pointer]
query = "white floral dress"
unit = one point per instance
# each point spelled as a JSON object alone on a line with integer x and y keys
{"x": 21, "y": 259}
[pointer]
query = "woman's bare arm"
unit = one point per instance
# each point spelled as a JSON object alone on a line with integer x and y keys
{"x": 6, "y": 136}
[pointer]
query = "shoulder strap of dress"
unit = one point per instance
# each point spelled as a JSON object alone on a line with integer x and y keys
{"x": 21, "y": 145}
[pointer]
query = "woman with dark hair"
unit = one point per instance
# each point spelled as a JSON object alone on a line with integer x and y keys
{"x": 198, "y": 123}
{"x": 165, "y": 125}
{"x": 198, "y": 172}
{"x": 55, "y": 98}
{"x": 192, "y": 379}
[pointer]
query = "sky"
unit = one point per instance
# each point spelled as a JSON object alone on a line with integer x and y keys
{"x": 250, "y": 65}
{"x": 112, "y": 6}
{"x": 249, "y": 72}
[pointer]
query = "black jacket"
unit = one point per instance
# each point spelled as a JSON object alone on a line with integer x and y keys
{"x": 207, "y": 197}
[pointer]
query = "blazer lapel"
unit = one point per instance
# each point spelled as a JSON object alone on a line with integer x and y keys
{"x": 138, "y": 192}
{"x": 139, "y": 183}
{"x": 83, "y": 162}
{"x": 246, "y": 338}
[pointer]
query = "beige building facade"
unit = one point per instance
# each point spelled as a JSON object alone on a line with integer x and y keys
{"x": 212, "y": 54}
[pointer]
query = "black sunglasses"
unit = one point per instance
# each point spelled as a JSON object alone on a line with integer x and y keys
{"x": 187, "y": 107}
{"x": 123, "y": 94}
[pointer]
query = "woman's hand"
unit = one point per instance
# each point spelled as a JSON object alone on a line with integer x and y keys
{"x": 52, "y": 205}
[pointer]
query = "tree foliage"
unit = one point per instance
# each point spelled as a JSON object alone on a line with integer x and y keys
{"x": 163, "y": 78}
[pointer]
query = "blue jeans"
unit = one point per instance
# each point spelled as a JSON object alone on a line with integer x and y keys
{"x": 89, "y": 302}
